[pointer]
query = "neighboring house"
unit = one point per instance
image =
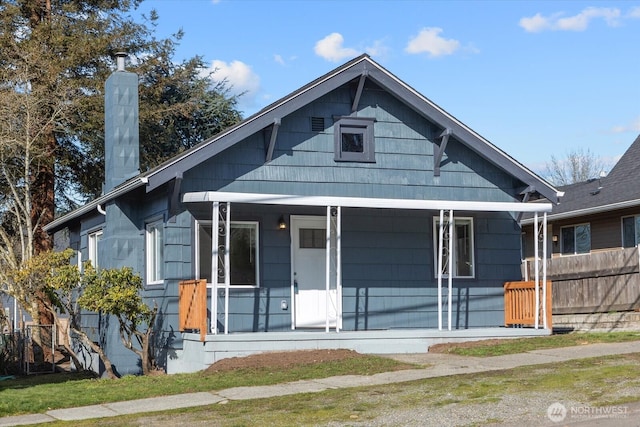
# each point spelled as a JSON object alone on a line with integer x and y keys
{"x": 596, "y": 215}
{"x": 592, "y": 238}
{"x": 330, "y": 209}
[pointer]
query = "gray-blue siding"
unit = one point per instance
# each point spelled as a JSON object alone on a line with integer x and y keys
{"x": 388, "y": 256}
{"x": 389, "y": 279}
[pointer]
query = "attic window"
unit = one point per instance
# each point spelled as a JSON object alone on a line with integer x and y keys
{"x": 317, "y": 124}
{"x": 353, "y": 139}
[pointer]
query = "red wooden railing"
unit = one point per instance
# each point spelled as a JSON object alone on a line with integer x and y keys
{"x": 520, "y": 304}
{"x": 192, "y": 306}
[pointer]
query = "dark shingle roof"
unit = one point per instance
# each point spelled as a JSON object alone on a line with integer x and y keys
{"x": 617, "y": 190}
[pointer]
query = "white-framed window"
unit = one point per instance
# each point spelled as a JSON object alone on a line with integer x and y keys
{"x": 155, "y": 252}
{"x": 463, "y": 248}
{"x": 244, "y": 253}
{"x": 630, "y": 231}
{"x": 575, "y": 239}
{"x": 93, "y": 243}
{"x": 353, "y": 140}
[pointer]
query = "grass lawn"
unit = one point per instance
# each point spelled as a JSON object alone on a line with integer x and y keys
{"x": 470, "y": 399}
{"x": 37, "y": 394}
{"x": 521, "y": 345}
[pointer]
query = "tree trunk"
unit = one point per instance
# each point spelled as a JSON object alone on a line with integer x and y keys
{"x": 108, "y": 368}
{"x": 42, "y": 212}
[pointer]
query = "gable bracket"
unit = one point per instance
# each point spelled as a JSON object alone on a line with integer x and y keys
{"x": 272, "y": 140}
{"x": 356, "y": 99}
{"x": 174, "y": 197}
{"x": 526, "y": 195}
{"x": 438, "y": 150}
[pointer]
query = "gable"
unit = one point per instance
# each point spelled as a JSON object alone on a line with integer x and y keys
{"x": 303, "y": 159}
{"x": 354, "y": 76}
{"x": 354, "y": 89}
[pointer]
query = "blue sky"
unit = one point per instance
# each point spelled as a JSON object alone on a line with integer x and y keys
{"x": 536, "y": 78}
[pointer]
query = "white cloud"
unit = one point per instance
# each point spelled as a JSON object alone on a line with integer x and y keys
{"x": 377, "y": 49}
{"x": 634, "y": 13}
{"x": 240, "y": 79}
{"x": 278, "y": 59}
{"x": 634, "y": 126}
{"x": 536, "y": 23}
{"x": 579, "y": 22}
{"x": 331, "y": 48}
{"x": 429, "y": 41}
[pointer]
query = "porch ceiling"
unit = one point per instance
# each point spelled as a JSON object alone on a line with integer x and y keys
{"x": 363, "y": 202}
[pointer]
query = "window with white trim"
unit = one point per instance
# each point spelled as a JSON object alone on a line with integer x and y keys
{"x": 463, "y": 249}
{"x": 575, "y": 239}
{"x": 243, "y": 255}
{"x": 155, "y": 252}
{"x": 93, "y": 242}
{"x": 353, "y": 139}
{"x": 630, "y": 231}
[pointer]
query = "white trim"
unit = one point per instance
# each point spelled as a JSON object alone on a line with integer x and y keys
{"x": 215, "y": 245}
{"x": 635, "y": 233}
{"x": 575, "y": 243}
{"x": 452, "y": 255}
{"x": 363, "y": 202}
{"x": 544, "y": 272}
{"x": 440, "y": 249}
{"x": 93, "y": 238}
{"x": 327, "y": 266}
{"x": 452, "y": 251}
{"x": 151, "y": 267}
{"x": 588, "y": 211}
{"x": 208, "y": 223}
{"x": 339, "y": 268}
{"x": 227, "y": 267}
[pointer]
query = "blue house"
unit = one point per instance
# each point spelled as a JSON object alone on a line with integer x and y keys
{"x": 354, "y": 212}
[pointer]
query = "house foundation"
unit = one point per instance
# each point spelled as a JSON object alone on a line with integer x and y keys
{"x": 196, "y": 355}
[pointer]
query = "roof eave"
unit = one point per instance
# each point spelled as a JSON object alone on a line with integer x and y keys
{"x": 587, "y": 211}
{"x": 61, "y": 222}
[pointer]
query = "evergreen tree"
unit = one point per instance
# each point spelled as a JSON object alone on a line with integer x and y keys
{"x": 56, "y": 56}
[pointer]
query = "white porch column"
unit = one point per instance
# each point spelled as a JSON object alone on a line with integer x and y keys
{"x": 544, "y": 272}
{"x": 338, "y": 268}
{"x": 328, "y": 267}
{"x": 536, "y": 237}
{"x": 227, "y": 267}
{"x": 450, "y": 268}
{"x": 215, "y": 223}
{"x": 440, "y": 250}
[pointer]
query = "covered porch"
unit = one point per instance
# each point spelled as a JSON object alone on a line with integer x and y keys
{"x": 329, "y": 291}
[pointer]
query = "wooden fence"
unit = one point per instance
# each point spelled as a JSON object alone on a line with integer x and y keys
{"x": 192, "y": 306}
{"x": 520, "y": 304}
{"x": 599, "y": 282}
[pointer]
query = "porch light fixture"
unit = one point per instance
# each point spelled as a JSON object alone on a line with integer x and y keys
{"x": 282, "y": 225}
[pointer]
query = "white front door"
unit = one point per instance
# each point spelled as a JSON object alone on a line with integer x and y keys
{"x": 308, "y": 237}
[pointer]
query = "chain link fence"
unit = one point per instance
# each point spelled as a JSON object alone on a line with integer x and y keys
{"x": 31, "y": 350}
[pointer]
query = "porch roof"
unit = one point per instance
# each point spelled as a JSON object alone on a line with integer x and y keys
{"x": 364, "y": 202}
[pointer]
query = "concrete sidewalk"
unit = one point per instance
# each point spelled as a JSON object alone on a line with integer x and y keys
{"x": 434, "y": 365}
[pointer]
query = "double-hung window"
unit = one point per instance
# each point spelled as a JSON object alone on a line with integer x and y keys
{"x": 575, "y": 239}
{"x": 353, "y": 139}
{"x": 243, "y": 253}
{"x": 630, "y": 231}
{"x": 155, "y": 252}
{"x": 93, "y": 243}
{"x": 463, "y": 253}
